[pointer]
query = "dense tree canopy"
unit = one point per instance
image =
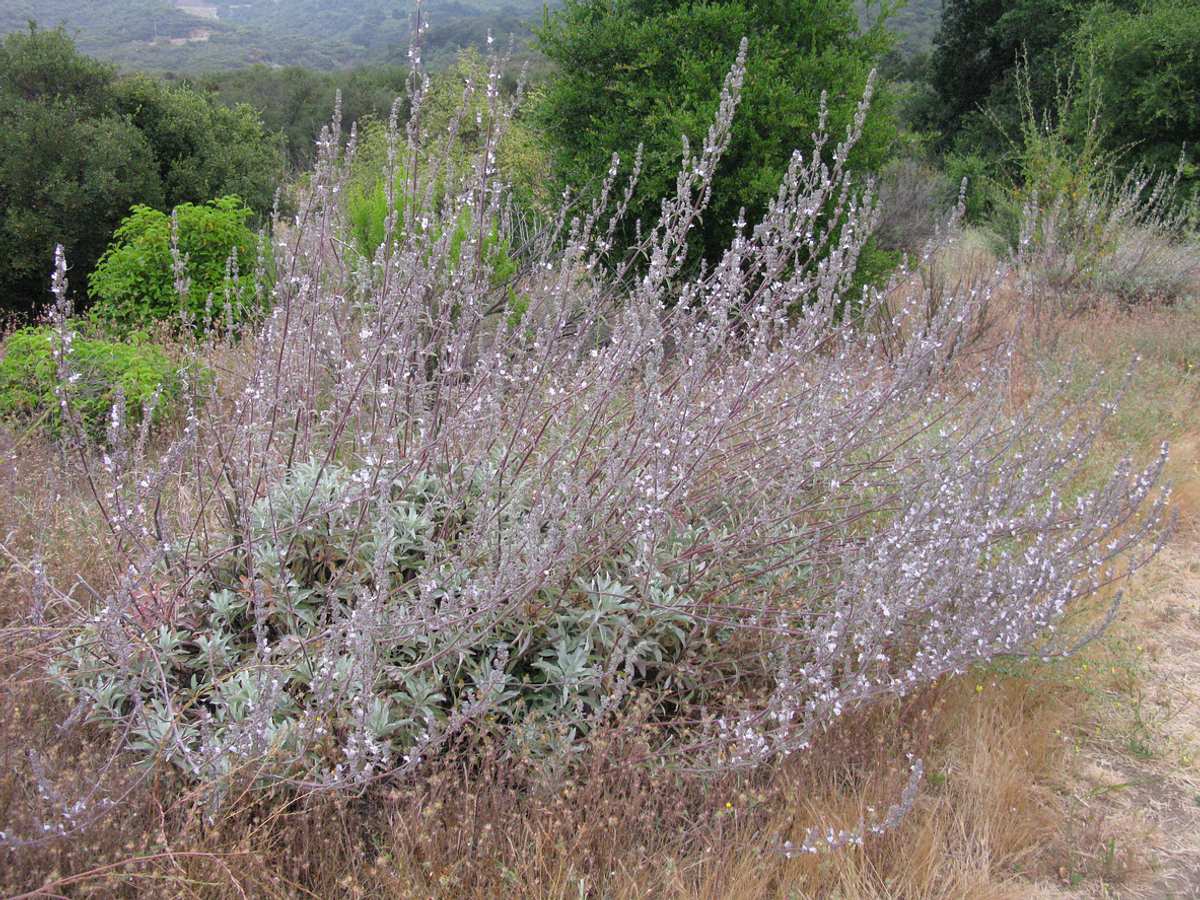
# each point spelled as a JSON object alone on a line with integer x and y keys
{"x": 650, "y": 71}
{"x": 978, "y": 51}
{"x": 79, "y": 147}
{"x": 981, "y": 41}
{"x": 70, "y": 164}
{"x": 1123, "y": 75}
{"x": 1146, "y": 70}
{"x": 296, "y": 102}
{"x": 203, "y": 149}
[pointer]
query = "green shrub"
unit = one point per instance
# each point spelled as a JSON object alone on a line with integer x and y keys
{"x": 81, "y": 145}
{"x": 366, "y": 211}
{"x": 983, "y": 194}
{"x": 630, "y": 74}
{"x": 98, "y": 370}
{"x": 366, "y": 214}
{"x": 1143, "y": 63}
{"x": 134, "y": 283}
{"x": 875, "y": 267}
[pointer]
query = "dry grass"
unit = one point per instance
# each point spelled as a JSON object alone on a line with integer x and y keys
{"x": 981, "y": 828}
{"x": 1135, "y": 738}
{"x": 1043, "y": 780}
{"x": 1140, "y": 751}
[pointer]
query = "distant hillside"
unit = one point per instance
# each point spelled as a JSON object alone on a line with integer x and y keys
{"x": 198, "y": 35}
{"x": 915, "y": 23}
{"x": 188, "y": 36}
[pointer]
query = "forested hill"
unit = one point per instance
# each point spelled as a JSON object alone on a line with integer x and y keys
{"x": 188, "y": 36}
{"x": 915, "y": 23}
{"x": 205, "y": 35}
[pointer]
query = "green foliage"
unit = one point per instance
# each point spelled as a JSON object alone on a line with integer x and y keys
{"x": 70, "y": 165}
{"x": 44, "y": 66}
{"x": 134, "y": 282}
{"x": 875, "y": 266}
{"x": 519, "y": 159}
{"x": 367, "y": 210}
{"x": 204, "y": 149}
{"x": 1050, "y": 159}
{"x": 98, "y": 370}
{"x": 983, "y": 195}
{"x": 296, "y": 103}
{"x": 79, "y": 148}
{"x": 916, "y": 104}
{"x": 1056, "y": 98}
{"x": 1055, "y": 154}
{"x": 650, "y": 71}
{"x": 1079, "y": 222}
{"x": 976, "y": 54}
{"x": 1138, "y": 63}
{"x": 1145, "y": 66}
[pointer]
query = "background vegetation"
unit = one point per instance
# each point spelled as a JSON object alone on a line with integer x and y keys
{"x": 616, "y": 88}
{"x": 163, "y": 36}
{"x": 79, "y": 147}
{"x": 137, "y": 282}
{"x": 995, "y": 66}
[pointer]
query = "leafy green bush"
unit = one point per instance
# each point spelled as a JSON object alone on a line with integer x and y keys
{"x": 1144, "y": 62}
{"x": 98, "y": 369}
{"x": 983, "y": 192}
{"x": 518, "y": 155}
{"x": 80, "y": 146}
{"x": 367, "y": 209}
{"x": 366, "y": 214}
{"x": 134, "y": 282}
{"x": 629, "y": 73}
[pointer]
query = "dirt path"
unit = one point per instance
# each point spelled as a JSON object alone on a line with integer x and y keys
{"x": 1141, "y": 766}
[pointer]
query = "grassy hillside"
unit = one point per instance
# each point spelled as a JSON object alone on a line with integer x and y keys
{"x": 197, "y": 35}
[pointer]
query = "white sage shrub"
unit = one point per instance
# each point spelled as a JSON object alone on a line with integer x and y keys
{"x": 415, "y": 511}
